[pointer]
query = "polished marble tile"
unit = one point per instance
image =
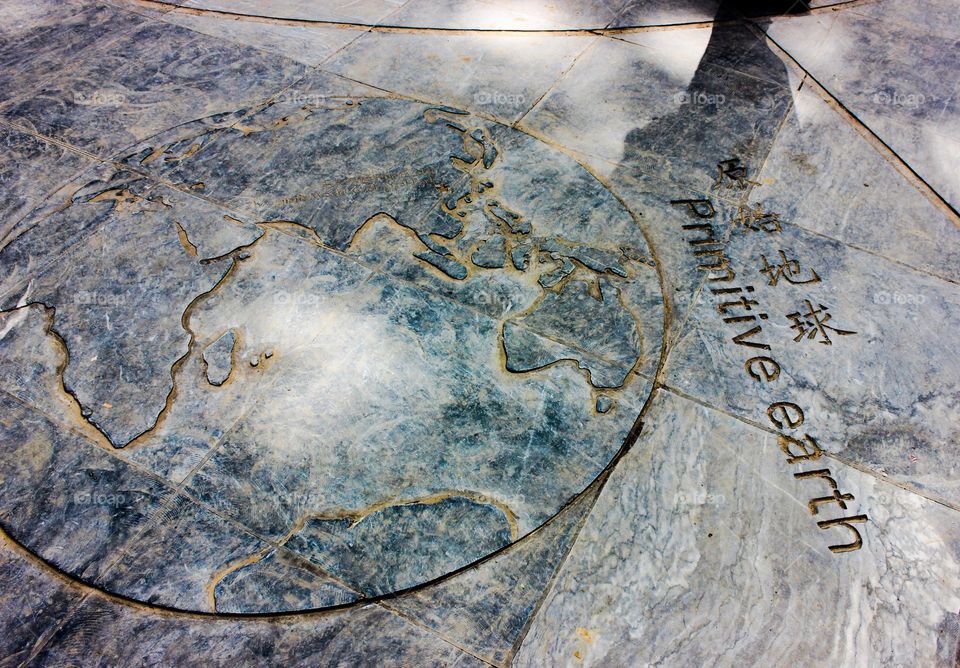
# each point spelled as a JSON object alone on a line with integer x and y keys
{"x": 516, "y": 15}
{"x": 160, "y": 268}
{"x": 30, "y": 362}
{"x": 434, "y": 427}
{"x": 305, "y": 44}
{"x": 702, "y": 548}
{"x": 179, "y": 559}
{"x": 36, "y": 241}
{"x": 369, "y": 12}
{"x": 934, "y": 16}
{"x": 587, "y": 14}
{"x": 421, "y": 539}
{"x": 278, "y": 342}
{"x": 487, "y": 607}
{"x": 895, "y": 77}
{"x": 662, "y": 219}
{"x": 883, "y": 398}
{"x": 665, "y": 12}
{"x": 278, "y": 581}
{"x": 32, "y": 358}
{"x": 360, "y": 637}
{"x": 31, "y": 170}
{"x": 823, "y": 176}
{"x": 693, "y": 111}
{"x": 474, "y": 72}
{"x": 296, "y": 162}
{"x": 65, "y": 499}
{"x": 397, "y": 147}
{"x": 33, "y": 601}
{"x": 151, "y": 78}
{"x": 41, "y": 39}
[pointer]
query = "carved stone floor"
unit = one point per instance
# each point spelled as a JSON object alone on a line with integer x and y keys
{"x": 479, "y": 332}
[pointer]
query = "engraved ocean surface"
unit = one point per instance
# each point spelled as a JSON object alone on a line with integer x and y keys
{"x": 370, "y": 340}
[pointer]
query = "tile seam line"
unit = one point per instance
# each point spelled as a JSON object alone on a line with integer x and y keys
{"x": 882, "y": 147}
{"x": 781, "y": 128}
{"x": 584, "y": 158}
{"x": 116, "y": 163}
{"x": 743, "y": 199}
{"x": 375, "y": 270}
{"x": 161, "y": 609}
{"x": 832, "y": 455}
{"x": 55, "y": 628}
{"x": 556, "y": 82}
{"x": 258, "y": 48}
{"x": 174, "y": 490}
{"x": 567, "y": 70}
{"x": 555, "y": 576}
{"x": 413, "y": 621}
{"x": 107, "y": 44}
{"x": 170, "y": 8}
{"x": 317, "y": 67}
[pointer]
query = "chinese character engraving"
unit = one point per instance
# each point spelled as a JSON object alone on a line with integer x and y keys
{"x": 812, "y": 324}
{"x": 731, "y": 172}
{"x": 788, "y": 269}
{"x": 758, "y": 220}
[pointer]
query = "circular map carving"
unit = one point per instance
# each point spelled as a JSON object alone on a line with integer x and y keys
{"x": 348, "y": 346}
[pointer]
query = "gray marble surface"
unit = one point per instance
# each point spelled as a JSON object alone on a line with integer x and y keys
{"x": 369, "y": 636}
{"x": 150, "y": 77}
{"x": 103, "y": 321}
{"x": 407, "y": 455}
{"x": 696, "y": 109}
{"x": 823, "y": 176}
{"x": 519, "y": 15}
{"x": 404, "y": 343}
{"x": 39, "y": 36}
{"x": 307, "y": 44}
{"x": 507, "y": 15}
{"x": 487, "y": 608}
{"x": 31, "y": 170}
{"x": 868, "y": 397}
{"x": 470, "y": 71}
{"x": 360, "y": 11}
{"x": 34, "y": 601}
{"x": 896, "y": 74}
{"x": 54, "y": 481}
{"x": 701, "y": 549}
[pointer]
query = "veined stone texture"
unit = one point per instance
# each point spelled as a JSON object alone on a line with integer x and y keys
{"x": 479, "y": 332}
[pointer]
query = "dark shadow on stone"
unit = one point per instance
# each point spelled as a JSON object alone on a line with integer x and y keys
{"x": 732, "y": 108}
